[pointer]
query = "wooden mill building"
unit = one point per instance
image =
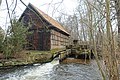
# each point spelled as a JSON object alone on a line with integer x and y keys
{"x": 47, "y": 33}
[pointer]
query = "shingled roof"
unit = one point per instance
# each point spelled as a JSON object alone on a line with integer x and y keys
{"x": 49, "y": 19}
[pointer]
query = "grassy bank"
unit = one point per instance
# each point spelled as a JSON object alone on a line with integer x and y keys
{"x": 27, "y": 58}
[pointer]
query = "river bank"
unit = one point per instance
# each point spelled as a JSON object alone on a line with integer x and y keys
{"x": 27, "y": 58}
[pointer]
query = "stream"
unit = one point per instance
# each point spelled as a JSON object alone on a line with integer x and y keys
{"x": 53, "y": 71}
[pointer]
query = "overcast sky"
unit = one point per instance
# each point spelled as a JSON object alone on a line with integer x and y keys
{"x": 47, "y": 6}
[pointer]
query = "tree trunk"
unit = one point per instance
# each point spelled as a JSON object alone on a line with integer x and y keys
{"x": 0, "y": 2}
{"x": 117, "y": 7}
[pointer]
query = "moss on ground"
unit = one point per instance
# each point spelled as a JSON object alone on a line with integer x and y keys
{"x": 28, "y": 57}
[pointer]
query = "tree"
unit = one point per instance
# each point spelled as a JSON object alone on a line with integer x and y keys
{"x": 15, "y": 39}
{"x": 1, "y": 38}
{"x": 71, "y": 23}
{"x": 95, "y": 18}
{"x": 117, "y": 7}
{"x": 0, "y": 2}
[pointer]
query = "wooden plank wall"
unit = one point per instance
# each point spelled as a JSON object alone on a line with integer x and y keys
{"x": 58, "y": 40}
{"x": 44, "y": 40}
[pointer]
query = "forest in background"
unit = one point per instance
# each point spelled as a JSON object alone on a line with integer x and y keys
{"x": 98, "y": 22}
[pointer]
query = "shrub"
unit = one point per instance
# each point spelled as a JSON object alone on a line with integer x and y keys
{"x": 15, "y": 39}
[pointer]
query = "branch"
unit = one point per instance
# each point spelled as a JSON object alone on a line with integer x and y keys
{"x": 14, "y": 7}
{"x": 0, "y": 2}
{"x": 9, "y": 12}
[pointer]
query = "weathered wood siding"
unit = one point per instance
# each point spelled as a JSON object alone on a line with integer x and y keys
{"x": 58, "y": 40}
{"x": 40, "y": 38}
{"x": 29, "y": 17}
{"x": 43, "y": 38}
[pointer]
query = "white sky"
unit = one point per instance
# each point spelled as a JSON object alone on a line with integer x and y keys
{"x": 67, "y": 7}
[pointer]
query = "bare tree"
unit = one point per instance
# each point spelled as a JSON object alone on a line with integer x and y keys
{"x": 0, "y": 2}
{"x": 117, "y": 7}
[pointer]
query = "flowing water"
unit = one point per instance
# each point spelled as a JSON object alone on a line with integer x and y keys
{"x": 53, "y": 71}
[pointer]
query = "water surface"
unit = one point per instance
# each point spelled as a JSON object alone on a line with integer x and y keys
{"x": 53, "y": 71}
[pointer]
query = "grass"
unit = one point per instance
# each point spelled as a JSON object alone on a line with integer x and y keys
{"x": 29, "y": 57}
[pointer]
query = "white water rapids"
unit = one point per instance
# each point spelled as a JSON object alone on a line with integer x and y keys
{"x": 53, "y": 71}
